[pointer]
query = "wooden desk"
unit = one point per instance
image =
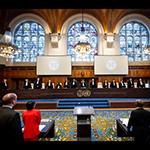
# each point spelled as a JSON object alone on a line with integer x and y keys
{"x": 47, "y": 128}
{"x": 72, "y": 93}
{"x": 122, "y": 130}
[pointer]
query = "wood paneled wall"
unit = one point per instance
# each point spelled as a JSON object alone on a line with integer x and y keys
{"x": 17, "y": 74}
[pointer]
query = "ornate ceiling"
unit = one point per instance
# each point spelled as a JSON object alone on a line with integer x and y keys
{"x": 56, "y": 17}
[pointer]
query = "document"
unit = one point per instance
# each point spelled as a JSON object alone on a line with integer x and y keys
{"x": 41, "y": 127}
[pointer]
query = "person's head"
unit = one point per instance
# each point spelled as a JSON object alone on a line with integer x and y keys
{"x": 9, "y": 99}
{"x": 5, "y": 80}
{"x": 26, "y": 80}
{"x": 139, "y": 103}
{"x": 30, "y": 105}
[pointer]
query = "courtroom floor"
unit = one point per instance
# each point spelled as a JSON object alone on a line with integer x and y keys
{"x": 103, "y": 124}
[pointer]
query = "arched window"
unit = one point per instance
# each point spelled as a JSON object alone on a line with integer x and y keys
{"x": 134, "y": 38}
{"x": 73, "y": 35}
{"x": 29, "y": 37}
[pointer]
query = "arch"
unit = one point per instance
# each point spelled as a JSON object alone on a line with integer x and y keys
{"x": 76, "y": 18}
{"x": 87, "y": 18}
{"x": 28, "y": 17}
{"x": 133, "y": 17}
{"x": 131, "y": 43}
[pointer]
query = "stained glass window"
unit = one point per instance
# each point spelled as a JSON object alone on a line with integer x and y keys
{"x": 74, "y": 33}
{"x": 30, "y": 39}
{"x": 134, "y": 38}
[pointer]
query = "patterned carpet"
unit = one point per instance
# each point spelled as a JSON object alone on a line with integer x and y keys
{"x": 103, "y": 125}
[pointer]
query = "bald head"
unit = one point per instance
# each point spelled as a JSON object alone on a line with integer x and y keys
{"x": 9, "y": 99}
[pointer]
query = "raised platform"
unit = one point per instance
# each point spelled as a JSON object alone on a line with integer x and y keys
{"x": 70, "y": 103}
{"x": 49, "y": 99}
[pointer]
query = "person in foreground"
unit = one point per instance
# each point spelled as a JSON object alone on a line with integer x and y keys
{"x": 31, "y": 119}
{"x": 139, "y": 124}
{"x": 10, "y": 122}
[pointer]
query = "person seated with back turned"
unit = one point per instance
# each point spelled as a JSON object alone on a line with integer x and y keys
{"x": 130, "y": 83}
{"x": 50, "y": 85}
{"x": 93, "y": 83}
{"x": 66, "y": 84}
{"x": 4, "y": 84}
{"x": 113, "y": 84}
{"x": 122, "y": 84}
{"x": 10, "y": 122}
{"x": 27, "y": 84}
{"x": 31, "y": 119}
{"x": 140, "y": 83}
{"x": 139, "y": 124}
{"x": 38, "y": 84}
{"x": 105, "y": 84}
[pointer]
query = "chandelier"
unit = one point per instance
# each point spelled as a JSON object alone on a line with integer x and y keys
{"x": 7, "y": 48}
{"x": 83, "y": 46}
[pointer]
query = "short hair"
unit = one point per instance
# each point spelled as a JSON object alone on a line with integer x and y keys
{"x": 139, "y": 103}
{"x": 30, "y": 105}
{"x": 9, "y": 98}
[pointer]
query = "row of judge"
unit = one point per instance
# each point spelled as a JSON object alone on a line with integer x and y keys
{"x": 122, "y": 84}
{"x": 83, "y": 84}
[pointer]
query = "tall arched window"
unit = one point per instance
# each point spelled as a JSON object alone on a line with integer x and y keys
{"x": 29, "y": 36}
{"x": 134, "y": 38}
{"x": 74, "y": 33}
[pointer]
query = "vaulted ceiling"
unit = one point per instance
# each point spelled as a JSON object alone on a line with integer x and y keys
{"x": 56, "y": 17}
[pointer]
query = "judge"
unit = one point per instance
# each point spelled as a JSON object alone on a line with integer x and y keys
{"x": 130, "y": 83}
{"x": 38, "y": 84}
{"x": 27, "y": 84}
{"x": 66, "y": 84}
{"x": 58, "y": 85}
{"x": 140, "y": 83}
{"x": 4, "y": 85}
{"x": 122, "y": 84}
{"x": 113, "y": 84}
{"x": 93, "y": 84}
{"x": 83, "y": 84}
{"x": 50, "y": 84}
{"x": 105, "y": 84}
{"x": 74, "y": 83}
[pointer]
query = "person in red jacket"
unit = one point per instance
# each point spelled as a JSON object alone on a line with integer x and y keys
{"x": 31, "y": 119}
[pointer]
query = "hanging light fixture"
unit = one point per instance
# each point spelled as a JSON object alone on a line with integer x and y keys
{"x": 7, "y": 48}
{"x": 83, "y": 46}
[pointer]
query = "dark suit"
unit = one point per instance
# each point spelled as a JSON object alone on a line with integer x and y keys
{"x": 130, "y": 84}
{"x": 10, "y": 126}
{"x": 93, "y": 84}
{"x": 122, "y": 85}
{"x": 50, "y": 85}
{"x": 140, "y": 122}
{"x": 140, "y": 84}
{"x": 74, "y": 84}
{"x": 4, "y": 86}
{"x": 66, "y": 84}
{"x": 113, "y": 85}
{"x": 38, "y": 85}
{"x": 105, "y": 85}
{"x": 27, "y": 85}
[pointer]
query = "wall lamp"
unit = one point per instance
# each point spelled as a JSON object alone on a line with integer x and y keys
{"x": 109, "y": 37}
{"x": 54, "y": 39}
